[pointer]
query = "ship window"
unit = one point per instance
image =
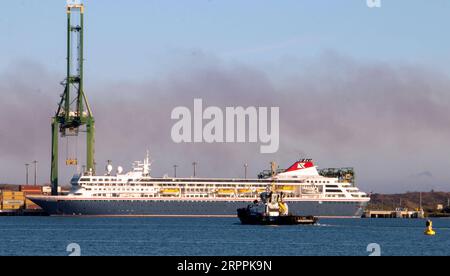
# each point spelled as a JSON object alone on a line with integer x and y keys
{"x": 334, "y": 191}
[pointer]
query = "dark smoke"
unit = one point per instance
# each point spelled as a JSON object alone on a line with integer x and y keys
{"x": 389, "y": 121}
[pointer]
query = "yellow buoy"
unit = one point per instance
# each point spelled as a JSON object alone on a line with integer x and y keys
{"x": 429, "y": 231}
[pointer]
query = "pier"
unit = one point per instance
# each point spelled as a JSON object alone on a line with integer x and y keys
{"x": 398, "y": 213}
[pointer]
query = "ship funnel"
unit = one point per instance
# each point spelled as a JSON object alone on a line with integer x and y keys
{"x": 301, "y": 165}
{"x": 304, "y": 167}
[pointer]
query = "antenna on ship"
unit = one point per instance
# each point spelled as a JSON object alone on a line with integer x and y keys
{"x": 273, "y": 169}
{"x": 109, "y": 168}
{"x": 194, "y": 164}
{"x": 147, "y": 163}
{"x": 175, "y": 171}
{"x": 246, "y": 169}
{"x": 420, "y": 201}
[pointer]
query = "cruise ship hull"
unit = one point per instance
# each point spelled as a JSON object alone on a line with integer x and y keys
{"x": 213, "y": 208}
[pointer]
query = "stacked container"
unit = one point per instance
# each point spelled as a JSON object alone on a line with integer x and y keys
{"x": 12, "y": 200}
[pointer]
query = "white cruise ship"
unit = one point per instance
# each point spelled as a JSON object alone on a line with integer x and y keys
{"x": 137, "y": 193}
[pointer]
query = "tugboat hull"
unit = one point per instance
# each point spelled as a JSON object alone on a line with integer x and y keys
{"x": 248, "y": 218}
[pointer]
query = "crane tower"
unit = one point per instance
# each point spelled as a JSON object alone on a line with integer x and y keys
{"x": 73, "y": 111}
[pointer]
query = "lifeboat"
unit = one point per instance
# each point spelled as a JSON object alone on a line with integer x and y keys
{"x": 225, "y": 192}
{"x": 245, "y": 191}
{"x": 170, "y": 191}
{"x": 286, "y": 189}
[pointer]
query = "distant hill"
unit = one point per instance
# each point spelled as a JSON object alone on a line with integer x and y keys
{"x": 409, "y": 200}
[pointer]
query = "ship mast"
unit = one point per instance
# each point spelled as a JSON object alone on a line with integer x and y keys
{"x": 273, "y": 168}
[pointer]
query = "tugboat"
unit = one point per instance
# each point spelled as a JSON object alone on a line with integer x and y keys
{"x": 272, "y": 210}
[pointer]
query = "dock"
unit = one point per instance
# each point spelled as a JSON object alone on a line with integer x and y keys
{"x": 399, "y": 213}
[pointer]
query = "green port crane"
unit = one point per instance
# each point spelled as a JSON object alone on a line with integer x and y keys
{"x": 73, "y": 111}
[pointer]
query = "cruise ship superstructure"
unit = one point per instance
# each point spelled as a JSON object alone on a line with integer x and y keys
{"x": 137, "y": 193}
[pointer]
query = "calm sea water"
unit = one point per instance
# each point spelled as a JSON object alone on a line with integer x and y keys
{"x": 222, "y": 237}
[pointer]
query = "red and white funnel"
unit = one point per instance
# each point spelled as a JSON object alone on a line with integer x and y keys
{"x": 303, "y": 167}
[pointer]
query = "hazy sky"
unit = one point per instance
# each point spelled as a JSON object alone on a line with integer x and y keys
{"x": 361, "y": 87}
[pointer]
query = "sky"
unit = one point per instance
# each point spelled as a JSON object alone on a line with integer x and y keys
{"x": 356, "y": 86}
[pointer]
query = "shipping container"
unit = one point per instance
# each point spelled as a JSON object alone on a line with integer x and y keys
{"x": 32, "y": 190}
{"x": 12, "y": 193}
{"x": 8, "y": 192}
{"x": 13, "y": 202}
{"x": 28, "y": 188}
{"x": 11, "y": 207}
{"x": 13, "y": 197}
{"x": 33, "y": 193}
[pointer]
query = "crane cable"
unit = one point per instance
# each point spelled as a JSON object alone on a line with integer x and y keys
{"x": 67, "y": 150}
{"x": 69, "y": 160}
